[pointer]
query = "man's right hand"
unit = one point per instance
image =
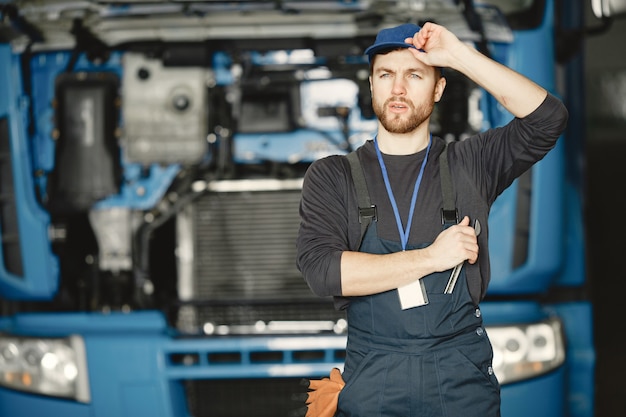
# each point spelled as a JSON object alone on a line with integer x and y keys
{"x": 454, "y": 245}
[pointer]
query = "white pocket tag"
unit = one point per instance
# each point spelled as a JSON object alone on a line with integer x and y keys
{"x": 413, "y": 295}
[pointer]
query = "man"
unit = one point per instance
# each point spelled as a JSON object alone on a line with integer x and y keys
{"x": 415, "y": 348}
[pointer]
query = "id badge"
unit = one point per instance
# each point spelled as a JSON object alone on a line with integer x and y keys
{"x": 413, "y": 295}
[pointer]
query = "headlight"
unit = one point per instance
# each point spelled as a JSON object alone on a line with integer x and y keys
{"x": 523, "y": 352}
{"x": 56, "y": 367}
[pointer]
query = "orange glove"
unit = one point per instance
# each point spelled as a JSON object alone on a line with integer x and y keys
{"x": 323, "y": 395}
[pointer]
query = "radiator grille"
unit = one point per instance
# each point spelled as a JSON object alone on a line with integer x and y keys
{"x": 245, "y": 262}
{"x": 245, "y": 246}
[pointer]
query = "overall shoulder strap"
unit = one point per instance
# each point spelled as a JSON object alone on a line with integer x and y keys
{"x": 449, "y": 212}
{"x": 367, "y": 211}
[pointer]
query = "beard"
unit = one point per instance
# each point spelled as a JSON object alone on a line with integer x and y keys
{"x": 398, "y": 123}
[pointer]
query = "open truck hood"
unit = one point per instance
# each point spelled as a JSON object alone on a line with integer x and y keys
{"x": 53, "y": 24}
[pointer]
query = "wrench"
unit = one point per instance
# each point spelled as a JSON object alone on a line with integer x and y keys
{"x": 454, "y": 276}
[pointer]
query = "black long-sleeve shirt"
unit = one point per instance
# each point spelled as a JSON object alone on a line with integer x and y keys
{"x": 482, "y": 167}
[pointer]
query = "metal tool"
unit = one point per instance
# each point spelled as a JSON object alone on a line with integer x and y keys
{"x": 454, "y": 276}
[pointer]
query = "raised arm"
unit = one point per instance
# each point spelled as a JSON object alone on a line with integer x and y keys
{"x": 437, "y": 46}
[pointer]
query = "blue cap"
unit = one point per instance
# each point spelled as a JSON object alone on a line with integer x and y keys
{"x": 392, "y": 38}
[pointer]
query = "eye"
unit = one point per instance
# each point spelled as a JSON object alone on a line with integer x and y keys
{"x": 415, "y": 76}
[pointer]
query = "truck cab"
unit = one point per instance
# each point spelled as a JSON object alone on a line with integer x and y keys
{"x": 152, "y": 156}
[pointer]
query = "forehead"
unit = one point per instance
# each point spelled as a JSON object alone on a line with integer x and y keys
{"x": 399, "y": 60}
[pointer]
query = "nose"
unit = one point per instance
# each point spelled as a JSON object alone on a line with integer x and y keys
{"x": 398, "y": 87}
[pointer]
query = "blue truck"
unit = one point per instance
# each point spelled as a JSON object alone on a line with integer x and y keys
{"x": 151, "y": 161}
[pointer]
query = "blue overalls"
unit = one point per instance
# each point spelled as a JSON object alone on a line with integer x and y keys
{"x": 433, "y": 360}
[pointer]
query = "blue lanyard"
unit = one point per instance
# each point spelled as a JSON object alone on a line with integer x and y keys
{"x": 404, "y": 233}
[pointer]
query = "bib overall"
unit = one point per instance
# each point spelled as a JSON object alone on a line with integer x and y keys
{"x": 433, "y": 360}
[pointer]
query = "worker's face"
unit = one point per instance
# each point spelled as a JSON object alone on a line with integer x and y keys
{"x": 404, "y": 90}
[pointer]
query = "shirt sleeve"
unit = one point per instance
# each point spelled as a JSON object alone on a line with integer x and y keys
{"x": 496, "y": 157}
{"x": 324, "y": 220}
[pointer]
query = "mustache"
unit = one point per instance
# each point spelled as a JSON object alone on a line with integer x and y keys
{"x": 404, "y": 100}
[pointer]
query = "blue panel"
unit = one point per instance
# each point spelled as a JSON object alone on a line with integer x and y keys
{"x": 538, "y": 397}
{"x": 581, "y": 358}
{"x": 62, "y": 324}
{"x": 546, "y": 246}
{"x": 298, "y": 146}
{"x": 511, "y": 312}
{"x": 18, "y": 404}
{"x": 575, "y": 269}
{"x": 532, "y": 54}
{"x": 125, "y": 371}
{"x": 40, "y": 277}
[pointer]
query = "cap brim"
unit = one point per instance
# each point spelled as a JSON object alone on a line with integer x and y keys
{"x": 374, "y": 49}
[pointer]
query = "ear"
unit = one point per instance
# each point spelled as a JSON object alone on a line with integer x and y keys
{"x": 440, "y": 86}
